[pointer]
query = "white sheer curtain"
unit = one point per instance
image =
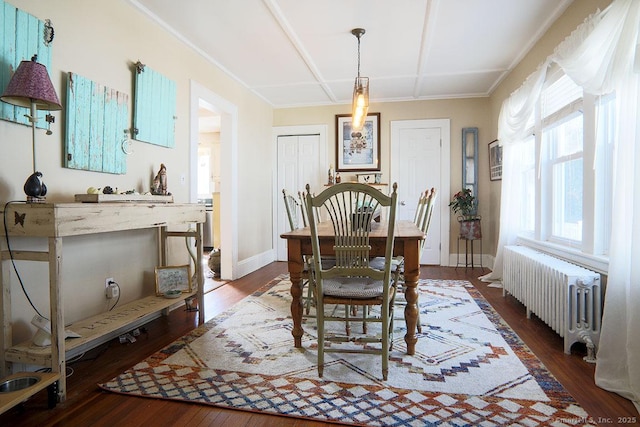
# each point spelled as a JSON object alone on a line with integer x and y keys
{"x": 599, "y": 56}
{"x": 602, "y": 63}
{"x": 512, "y": 127}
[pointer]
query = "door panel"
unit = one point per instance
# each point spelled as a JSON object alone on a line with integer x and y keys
{"x": 420, "y": 150}
{"x": 417, "y": 164}
{"x": 298, "y": 165}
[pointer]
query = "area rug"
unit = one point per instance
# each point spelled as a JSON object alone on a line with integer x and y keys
{"x": 470, "y": 368}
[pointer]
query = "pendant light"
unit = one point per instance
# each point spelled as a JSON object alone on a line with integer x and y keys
{"x": 360, "y": 105}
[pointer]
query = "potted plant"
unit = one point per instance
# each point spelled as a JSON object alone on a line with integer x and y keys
{"x": 463, "y": 203}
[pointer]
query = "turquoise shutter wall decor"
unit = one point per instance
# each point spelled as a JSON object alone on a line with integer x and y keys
{"x": 154, "y": 111}
{"x": 22, "y": 37}
{"x": 97, "y": 118}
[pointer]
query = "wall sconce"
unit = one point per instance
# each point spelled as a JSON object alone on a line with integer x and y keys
{"x": 31, "y": 87}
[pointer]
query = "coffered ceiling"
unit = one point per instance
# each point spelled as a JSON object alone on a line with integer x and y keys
{"x": 302, "y": 53}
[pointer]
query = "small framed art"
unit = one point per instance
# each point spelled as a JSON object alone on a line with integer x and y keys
{"x": 173, "y": 279}
{"x": 357, "y": 151}
{"x": 495, "y": 161}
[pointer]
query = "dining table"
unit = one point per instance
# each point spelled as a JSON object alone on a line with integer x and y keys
{"x": 407, "y": 244}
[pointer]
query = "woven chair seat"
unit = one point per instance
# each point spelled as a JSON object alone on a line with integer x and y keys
{"x": 378, "y": 263}
{"x": 353, "y": 287}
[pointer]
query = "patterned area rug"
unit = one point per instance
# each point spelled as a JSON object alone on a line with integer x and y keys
{"x": 470, "y": 368}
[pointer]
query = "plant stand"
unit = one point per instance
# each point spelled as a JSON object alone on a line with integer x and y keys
{"x": 470, "y": 231}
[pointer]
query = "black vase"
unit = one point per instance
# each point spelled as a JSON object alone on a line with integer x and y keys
{"x": 34, "y": 186}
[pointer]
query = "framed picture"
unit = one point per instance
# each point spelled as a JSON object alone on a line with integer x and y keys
{"x": 173, "y": 278}
{"x": 495, "y": 161}
{"x": 357, "y": 151}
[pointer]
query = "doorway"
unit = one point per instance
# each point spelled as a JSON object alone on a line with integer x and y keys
{"x": 202, "y": 99}
{"x": 208, "y": 181}
{"x": 420, "y": 159}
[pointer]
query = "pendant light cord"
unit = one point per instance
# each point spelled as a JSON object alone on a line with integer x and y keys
{"x": 358, "y": 55}
{"x": 358, "y": 32}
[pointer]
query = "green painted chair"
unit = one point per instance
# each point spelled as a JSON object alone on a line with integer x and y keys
{"x": 302, "y": 195}
{"x": 350, "y": 208}
{"x": 292, "y": 205}
{"x": 422, "y": 219}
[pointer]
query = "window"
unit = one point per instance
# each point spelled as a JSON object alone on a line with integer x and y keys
{"x": 566, "y": 169}
{"x": 562, "y": 138}
{"x": 528, "y": 162}
{"x": 563, "y": 142}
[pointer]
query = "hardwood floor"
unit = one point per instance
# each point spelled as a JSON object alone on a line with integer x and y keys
{"x": 87, "y": 405}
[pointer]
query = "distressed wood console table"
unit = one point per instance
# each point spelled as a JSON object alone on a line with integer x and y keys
{"x": 55, "y": 221}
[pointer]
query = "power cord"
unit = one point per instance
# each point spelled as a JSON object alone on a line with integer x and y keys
{"x": 69, "y": 371}
{"x": 15, "y": 268}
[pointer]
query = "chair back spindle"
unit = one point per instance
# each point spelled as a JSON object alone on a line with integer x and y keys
{"x": 292, "y": 206}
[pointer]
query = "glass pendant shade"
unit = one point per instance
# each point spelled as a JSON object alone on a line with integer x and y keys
{"x": 360, "y": 105}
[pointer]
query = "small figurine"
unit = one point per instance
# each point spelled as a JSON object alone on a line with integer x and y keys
{"x": 338, "y": 179}
{"x": 159, "y": 186}
{"x": 155, "y": 186}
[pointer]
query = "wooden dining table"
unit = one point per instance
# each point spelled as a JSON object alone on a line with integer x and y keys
{"x": 406, "y": 243}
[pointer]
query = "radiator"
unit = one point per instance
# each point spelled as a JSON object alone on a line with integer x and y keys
{"x": 565, "y": 296}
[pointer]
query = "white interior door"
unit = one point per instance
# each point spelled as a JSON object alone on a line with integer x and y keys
{"x": 298, "y": 165}
{"x": 420, "y": 160}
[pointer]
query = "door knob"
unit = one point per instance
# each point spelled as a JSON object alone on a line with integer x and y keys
{"x": 402, "y": 203}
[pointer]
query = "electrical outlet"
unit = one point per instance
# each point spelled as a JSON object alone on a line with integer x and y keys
{"x": 112, "y": 290}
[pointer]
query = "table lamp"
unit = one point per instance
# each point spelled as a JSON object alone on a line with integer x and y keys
{"x": 31, "y": 87}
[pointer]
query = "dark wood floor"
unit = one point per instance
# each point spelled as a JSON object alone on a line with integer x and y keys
{"x": 87, "y": 405}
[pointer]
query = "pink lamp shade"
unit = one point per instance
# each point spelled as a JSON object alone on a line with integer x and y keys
{"x": 31, "y": 83}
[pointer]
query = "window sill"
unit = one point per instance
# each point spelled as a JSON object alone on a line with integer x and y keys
{"x": 597, "y": 263}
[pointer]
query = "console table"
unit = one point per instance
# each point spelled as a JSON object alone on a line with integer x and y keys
{"x": 56, "y": 221}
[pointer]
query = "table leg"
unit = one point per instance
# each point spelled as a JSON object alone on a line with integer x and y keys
{"x": 411, "y": 276}
{"x": 295, "y": 265}
{"x": 58, "y": 355}
{"x": 199, "y": 272}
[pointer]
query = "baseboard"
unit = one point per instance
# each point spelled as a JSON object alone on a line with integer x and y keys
{"x": 249, "y": 265}
{"x": 479, "y": 260}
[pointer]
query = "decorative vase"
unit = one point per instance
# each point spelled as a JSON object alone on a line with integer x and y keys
{"x": 470, "y": 228}
{"x": 34, "y": 186}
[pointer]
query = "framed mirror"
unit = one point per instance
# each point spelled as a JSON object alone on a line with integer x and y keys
{"x": 470, "y": 161}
